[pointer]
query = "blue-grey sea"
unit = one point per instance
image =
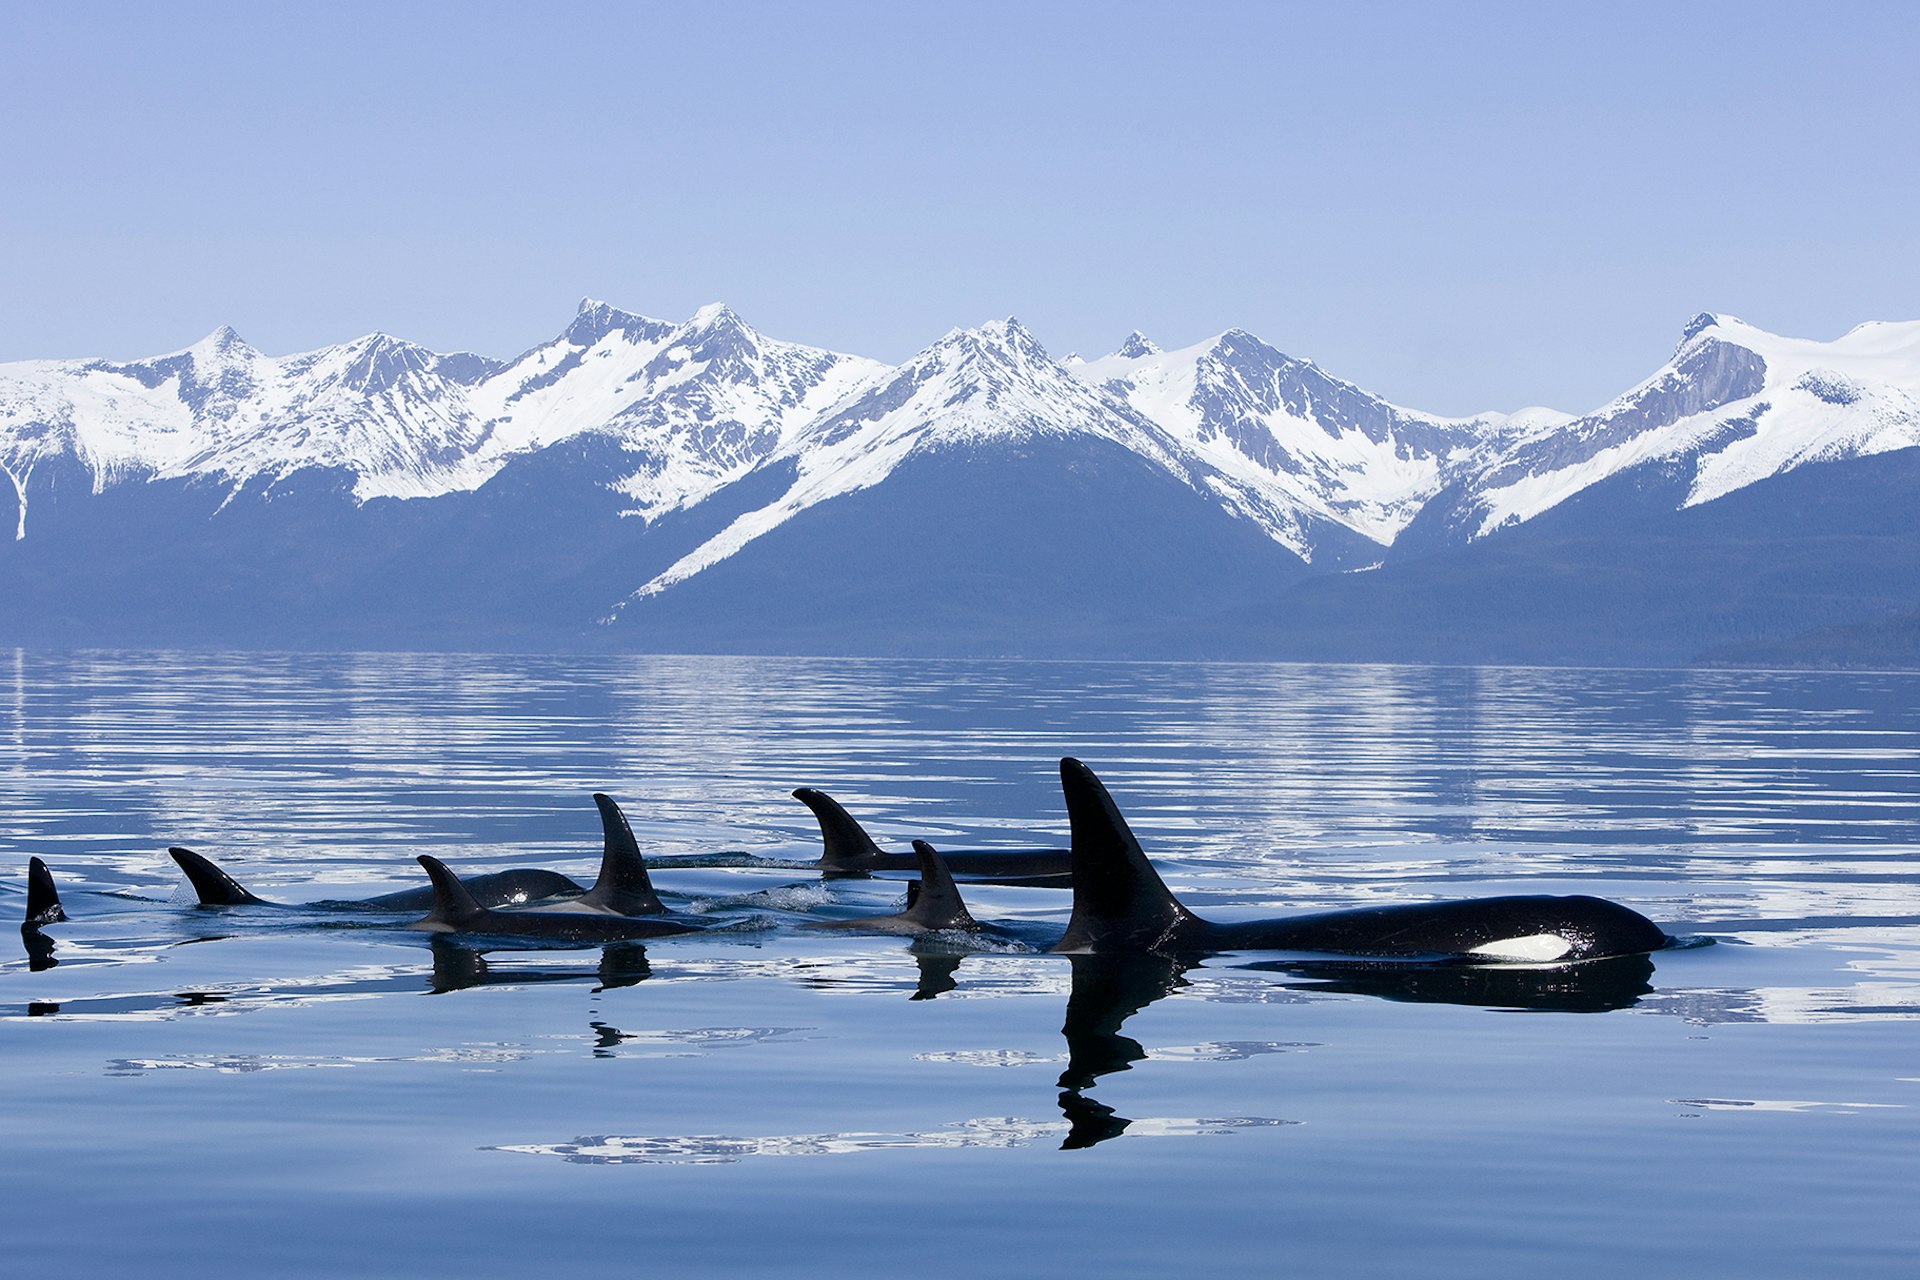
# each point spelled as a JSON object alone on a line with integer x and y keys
{"x": 260, "y": 1091}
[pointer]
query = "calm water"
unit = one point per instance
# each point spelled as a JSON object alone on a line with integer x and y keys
{"x": 252, "y": 1092}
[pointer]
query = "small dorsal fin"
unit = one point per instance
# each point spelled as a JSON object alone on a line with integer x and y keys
{"x": 849, "y": 849}
{"x": 1120, "y": 903}
{"x": 937, "y": 905}
{"x": 215, "y": 887}
{"x": 624, "y": 886}
{"x": 453, "y": 905}
{"x": 43, "y": 900}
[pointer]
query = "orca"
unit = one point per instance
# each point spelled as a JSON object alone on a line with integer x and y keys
{"x": 43, "y": 898}
{"x": 933, "y": 903}
{"x": 1120, "y": 905}
{"x": 215, "y": 888}
{"x": 455, "y": 910}
{"x": 622, "y": 888}
{"x": 848, "y": 851}
{"x": 43, "y": 907}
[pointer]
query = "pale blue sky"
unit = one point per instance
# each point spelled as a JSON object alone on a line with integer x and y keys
{"x": 1461, "y": 206}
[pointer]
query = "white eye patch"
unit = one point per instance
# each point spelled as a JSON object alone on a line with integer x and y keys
{"x": 1535, "y": 946}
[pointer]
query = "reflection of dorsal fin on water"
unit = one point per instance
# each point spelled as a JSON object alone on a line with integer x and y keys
{"x": 453, "y": 906}
{"x": 1118, "y": 898}
{"x": 933, "y": 902}
{"x": 43, "y": 900}
{"x": 848, "y": 847}
{"x": 215, "y": 887}
{"x": 623, "y": 887}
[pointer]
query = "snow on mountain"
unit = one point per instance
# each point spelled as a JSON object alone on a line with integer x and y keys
{"x": 692, "y": 405}
{"x": 977, "y": 387}
{"x": 1293, "y": 446}
{"x": 1736, "y": 403}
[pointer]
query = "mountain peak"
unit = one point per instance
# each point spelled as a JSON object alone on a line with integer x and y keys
{"x": 716, "y": 315}
{"x": 1137, "y": 346}
{"x": 595, "y": 320}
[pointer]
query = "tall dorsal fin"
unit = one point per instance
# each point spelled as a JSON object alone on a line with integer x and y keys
{"x": 453, "y": 905}
{"x": 849, "y": 849}
{"x": 43, "y": 900}
{"x": 937, "y": 905}
{"x": 1120, "y": 903}
{"x": 215, "y": 887}
{"x": 624, "y": 886}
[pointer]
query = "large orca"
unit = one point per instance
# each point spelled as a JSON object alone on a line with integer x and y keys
{"x": 455, "y": 910}
{"x": 849, "y": 851}
{"x": 1120, "y": 905}
{"x": 933, "y": 903}
{"x": 623, "y": 887}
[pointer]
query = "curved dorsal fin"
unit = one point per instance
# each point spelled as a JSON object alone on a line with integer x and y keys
{"x": 849, "y": 849}
{"x": 623, "y": 886}
{"x": 453, "y": 905}
{"x": 1120, "y": 903}
{"x": 215, "y": 887}
{"x": 43, "y": 900}
{"x": 937, "y": 905}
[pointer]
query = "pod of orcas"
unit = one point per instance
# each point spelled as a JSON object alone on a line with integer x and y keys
{"x": 1120, "y": 905}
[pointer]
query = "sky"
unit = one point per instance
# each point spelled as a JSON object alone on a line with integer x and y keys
{"x": 1458, "y": 206}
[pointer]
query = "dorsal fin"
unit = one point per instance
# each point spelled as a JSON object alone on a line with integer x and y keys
{"x": 453, "y": 905}
{"x": 215, "y": 887}
{"x": 43, "y": 900}
{"x": 1120, "y": 903}
{"x": 937, "y": 905}
{"x": 849, "y": 849}
{"x": 623, "y": 886}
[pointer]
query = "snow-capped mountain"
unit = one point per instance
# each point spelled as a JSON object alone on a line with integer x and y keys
{"x": 688, "y": 407}
{"x": 1295, "y": 447}
{"x": 981, "y": 496}
{"x": 692, "y": 405}
{"x": 974, "y": 388}
{"x": 1734, "y": 406}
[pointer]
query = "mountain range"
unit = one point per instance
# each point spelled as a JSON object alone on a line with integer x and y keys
{"x": 697, "y": 486}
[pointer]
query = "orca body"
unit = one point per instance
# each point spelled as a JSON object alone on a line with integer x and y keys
{"x": 215, "y": 888}
{"x": 43, "y": 907}
{"x": 933, "y": 903}
{"x": 623, "y": 887}
{"x": 1120, "y": 905}
{"x": 43, "y": 898}
{"x": 455, "y": 910}
{"x": 849, "y": 851}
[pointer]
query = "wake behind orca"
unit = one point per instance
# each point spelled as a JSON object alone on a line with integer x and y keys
{"x": 1121, "y": 905}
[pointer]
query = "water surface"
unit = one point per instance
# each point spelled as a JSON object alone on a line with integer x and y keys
{"x": 240, "y": 1092}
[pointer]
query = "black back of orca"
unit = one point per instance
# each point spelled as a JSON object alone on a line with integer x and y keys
{"x": 215, "y": 888}
{"x": 43, "y": 898}
{"x": 849, "y": 851}
{"x": 933, "y": 903}
{"x": 455, "y": 910}
{"x": 1120, "y": 904}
